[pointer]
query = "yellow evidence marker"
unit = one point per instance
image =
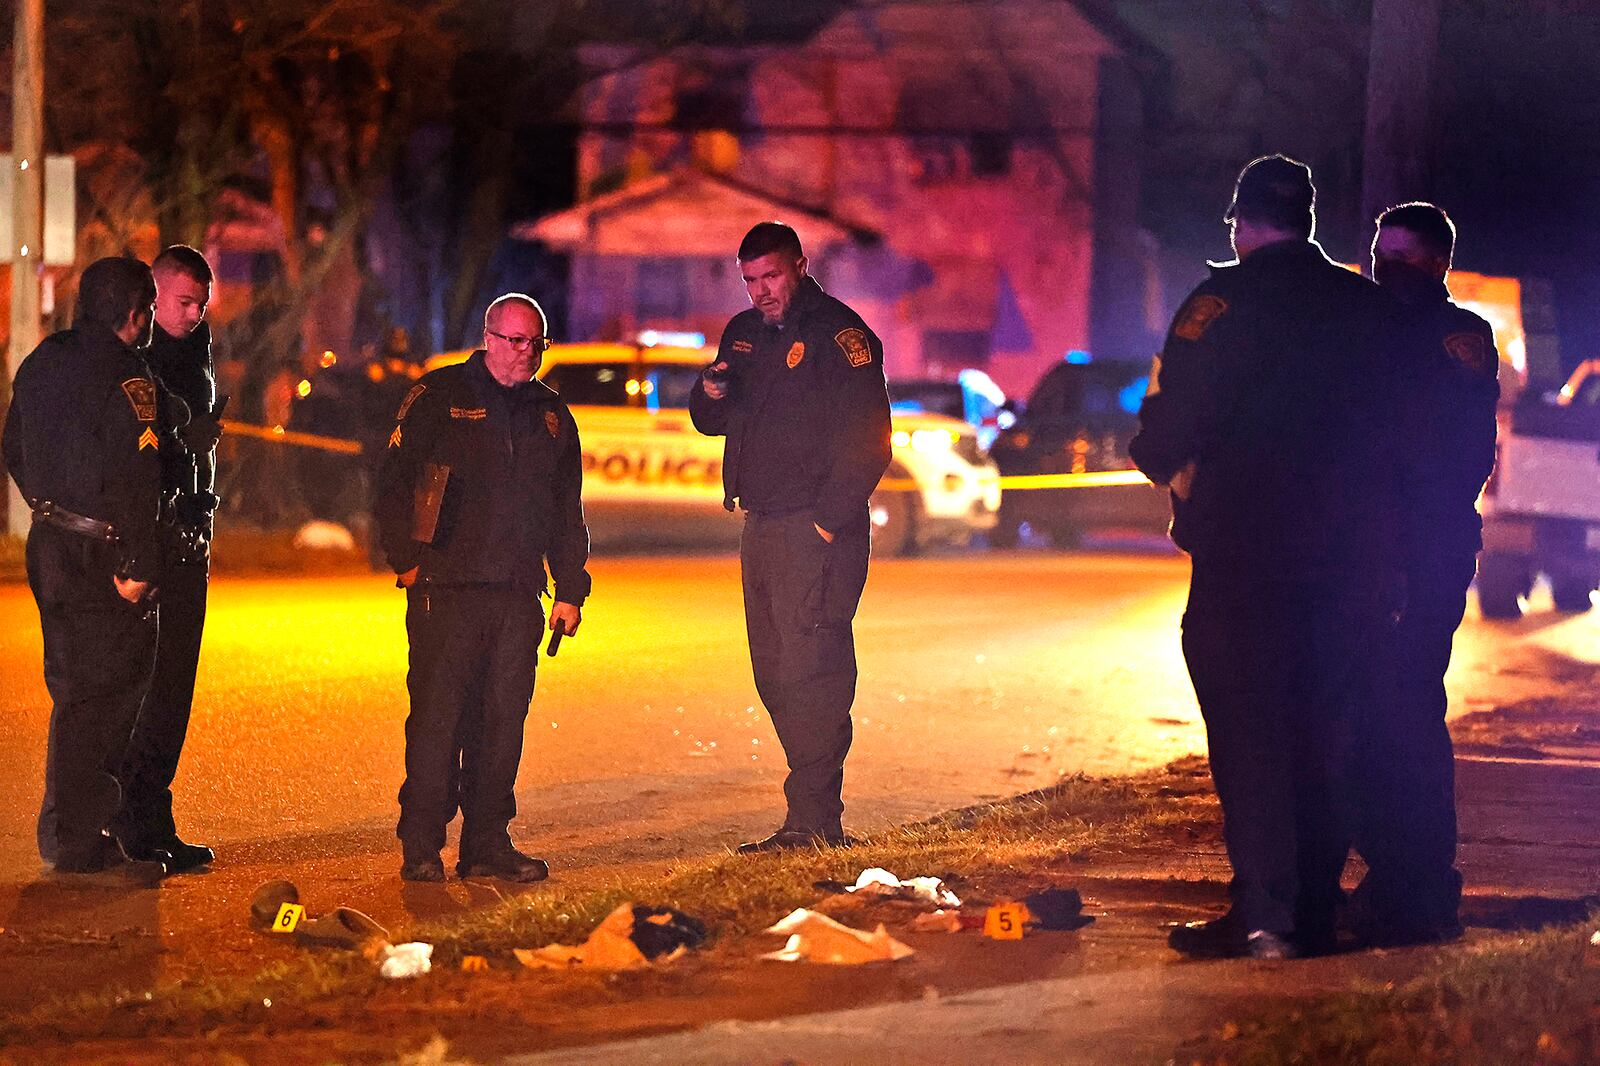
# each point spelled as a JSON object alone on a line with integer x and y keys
{"x": 289, "y": 915}
{"x": 1004, "y": 921}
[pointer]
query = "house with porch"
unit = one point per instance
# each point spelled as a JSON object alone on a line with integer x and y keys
{"x": 965, "y": 174}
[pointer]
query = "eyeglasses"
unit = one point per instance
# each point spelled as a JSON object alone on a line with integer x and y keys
{"x": 520, "y": 342}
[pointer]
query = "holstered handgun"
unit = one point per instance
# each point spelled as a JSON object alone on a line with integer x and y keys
{"x": 427, "y": 501}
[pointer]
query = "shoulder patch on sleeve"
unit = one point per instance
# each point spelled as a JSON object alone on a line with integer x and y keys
{"x": 1196, "y": 316}
{"x": 411, "y": 398}
{"x": 853, "y": 343}
{"x": 1470, "y": 349}
{"x": 552, "y": 422}
{"x": 141, "y": 393}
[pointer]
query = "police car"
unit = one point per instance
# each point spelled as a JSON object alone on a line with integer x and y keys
{"x": 649, "y": 477}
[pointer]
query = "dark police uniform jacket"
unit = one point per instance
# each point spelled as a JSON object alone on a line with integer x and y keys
{"x": 807, "y": 412}
{"x": 81, "y": 434}
{"x": 183, "y": 368}
{"x": 512, "y": 499}
{"x": 1279, "y": 380}
{"x": 1451, "y": 354}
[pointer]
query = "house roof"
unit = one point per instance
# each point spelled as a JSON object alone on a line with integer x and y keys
{"x": 681, "y": 213}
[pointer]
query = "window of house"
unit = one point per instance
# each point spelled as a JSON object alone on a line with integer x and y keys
{"x": 989, "y": 154}
{"x": 955, "y": 349}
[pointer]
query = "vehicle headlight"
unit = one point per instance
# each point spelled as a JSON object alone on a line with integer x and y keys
{"x": 933, "y": 440}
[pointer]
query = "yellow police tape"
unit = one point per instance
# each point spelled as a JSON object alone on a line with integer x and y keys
{"x": 1084, "y": 480}
{"x": 289, "y": 436}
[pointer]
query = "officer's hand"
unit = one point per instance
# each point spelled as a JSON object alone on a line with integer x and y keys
{"x": 823, "y": 533}
{"x": 201, "y": 434}
{"x": 1182, "y": 483}
{"x": 714, "y": 381}
{"x": 131, "y": 590}
{"x": 408, "y": 578}
{"x": 566, "y": 616}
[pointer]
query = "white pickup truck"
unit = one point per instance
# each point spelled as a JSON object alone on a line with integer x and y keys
{"x": 1541, "y": 509}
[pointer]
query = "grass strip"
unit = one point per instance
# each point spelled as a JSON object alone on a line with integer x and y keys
{"x": 734, "y": 895}
{"x": 1510, "y": 998}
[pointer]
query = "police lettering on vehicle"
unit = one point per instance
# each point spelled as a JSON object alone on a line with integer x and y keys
{"x": 645, "y": 468}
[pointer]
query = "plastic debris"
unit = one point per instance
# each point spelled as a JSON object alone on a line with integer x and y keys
{"x": 630, "y": 936}
{"x": 876, "y": 881}
{"x": 1057, "y": 908}
{"x": 407, "y": 960}
{"x": 815, "y": 937}
{"x": 939, "y": 921}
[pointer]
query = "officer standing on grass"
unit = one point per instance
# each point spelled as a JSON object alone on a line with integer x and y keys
{"x": 180, "y": 358}
{"x": 798, "y": 390}
{"x": 1274, "y": 420}
{"x": 480, "y": 486}
{"x": 81, "y": 443}
{"x": 1412, "y": 891}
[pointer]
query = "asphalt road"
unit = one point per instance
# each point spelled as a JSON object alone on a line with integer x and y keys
{"x": 982, "y": 675}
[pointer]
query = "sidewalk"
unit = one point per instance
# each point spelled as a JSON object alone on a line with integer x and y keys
{"x": 1530, "y": 833}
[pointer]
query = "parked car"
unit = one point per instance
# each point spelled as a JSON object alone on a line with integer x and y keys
{"x": 650, "y": 475}
{"x": 1078, "y": 421}
{"x": 1541, "y": 508}
{"x": 973, "y": 397}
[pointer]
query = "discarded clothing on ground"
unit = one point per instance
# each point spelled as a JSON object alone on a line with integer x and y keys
{"x": 875, "y": 881}
{"x": 630, "y": 936}
{"x": 1057, "y": 908}
{"x": 269, "y": 898}
{"x": 815, "y": 937}
{"x": 406, "y": 960}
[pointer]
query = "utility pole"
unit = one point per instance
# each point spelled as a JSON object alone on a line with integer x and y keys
{"x": 1401, "y": 65}
{"x": 27, "y": 208}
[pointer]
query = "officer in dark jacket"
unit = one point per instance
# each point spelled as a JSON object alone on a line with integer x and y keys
{"x": 1412, "y": 891}
{"x": 1274, "y": 420}
{"x": 81, "y": 442}
{"x": 180, "y": 357}
{"x": 798, "y": 390}
{"x": 481, "y": 484}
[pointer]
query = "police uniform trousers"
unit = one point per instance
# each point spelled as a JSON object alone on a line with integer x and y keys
{"x": 473, "y": 653}
{"x": 145, "y": 820}
{"x": 1279, "y": 668}
{"x": 1407, "y": 833}
{"x": 99, "y": 651}
{"x": 800, "y": 597}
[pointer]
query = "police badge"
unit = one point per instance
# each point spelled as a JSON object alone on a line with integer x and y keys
{"x": 797, "y": 352}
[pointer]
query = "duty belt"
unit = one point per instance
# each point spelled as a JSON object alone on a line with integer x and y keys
{"x": 72, "y": 522}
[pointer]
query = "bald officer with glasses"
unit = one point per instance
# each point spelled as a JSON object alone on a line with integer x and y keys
{"x": 479, "y": 492}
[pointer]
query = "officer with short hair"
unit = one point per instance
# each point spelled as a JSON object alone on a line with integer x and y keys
{"x": 1412, "y": 891}
{"x": 180, "y": 358}
{"x": 1275, "y": 421}
{"x": 81, "y": 441}
{"x": 798, "y": 390}
{"x": 481, "y": 486}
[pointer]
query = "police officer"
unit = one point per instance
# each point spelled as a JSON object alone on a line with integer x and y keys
{"x": 798, "y": 390}
{"x": 1412, "y": 891}
{"x": 1274, "y": 422}
{"x": 180, "y": 358}
{"x": 81, "y": 442}
{"x": 480, "y": 486}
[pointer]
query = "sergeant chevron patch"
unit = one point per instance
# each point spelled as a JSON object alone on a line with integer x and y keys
{"x": 394, "y": 438}
{"x": 148, "y": 439}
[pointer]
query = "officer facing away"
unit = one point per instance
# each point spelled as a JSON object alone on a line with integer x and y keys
{"x": 81, "y": 443}
{"x": 798, "y": 390}
{"x": 480, "y": 485}
{"x": 1412, "y": 891}
{"x": 1274, "y": 424}
{"x": 180, "y": 358}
